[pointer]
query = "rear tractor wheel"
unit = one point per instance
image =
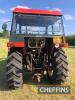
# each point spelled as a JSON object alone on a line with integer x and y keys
{"x": 59, "y": 67}
{"x": 14, "y": 70}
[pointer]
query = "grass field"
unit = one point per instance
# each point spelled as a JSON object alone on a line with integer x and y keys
{"x": 29, "y": 89}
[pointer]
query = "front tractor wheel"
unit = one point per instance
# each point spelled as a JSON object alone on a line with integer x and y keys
{"x": 59, "y": 65}
{"x": 14, "y": 69}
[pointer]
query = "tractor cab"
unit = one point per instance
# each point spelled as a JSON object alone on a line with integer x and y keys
{"x": 37, "y": 24}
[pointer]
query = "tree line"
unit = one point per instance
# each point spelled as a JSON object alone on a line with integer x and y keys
{"x": 71, "y": 40}
{"x": 4, "y": 34}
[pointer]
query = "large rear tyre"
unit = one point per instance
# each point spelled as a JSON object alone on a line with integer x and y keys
{"x": 14, "y": 70}
{"x": 59, "y": 65}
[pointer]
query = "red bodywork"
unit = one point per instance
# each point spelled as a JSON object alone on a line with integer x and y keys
{"x": 22, "y": 44}
{"x": 32, "y": 11}
{"x": 41, "y": 12}
{"x": 15, "y": 44}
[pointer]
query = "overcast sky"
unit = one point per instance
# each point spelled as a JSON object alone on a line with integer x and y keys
{"x": 67, "y": 7}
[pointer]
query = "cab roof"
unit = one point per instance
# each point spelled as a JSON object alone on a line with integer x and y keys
{"x": 37, "y": 12}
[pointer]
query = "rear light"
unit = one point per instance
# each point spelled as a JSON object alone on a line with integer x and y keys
{"x": 10, "y": 45}
{"x": 64, "y": 45}
{"x": 57, "y": 45}
{"x": 16, "y": 44}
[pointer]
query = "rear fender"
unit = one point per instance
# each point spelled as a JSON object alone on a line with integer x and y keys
{"x": 59, "y": 41}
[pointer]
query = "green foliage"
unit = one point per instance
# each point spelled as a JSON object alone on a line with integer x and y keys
{"x": 1, "y": 34}
{"x": 71, "y": 40}
{"x": 4, "y": 26}
{"x": 4, "y": 34}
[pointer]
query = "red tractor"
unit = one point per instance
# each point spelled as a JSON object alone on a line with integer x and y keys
{"x": 36, "y": 41}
